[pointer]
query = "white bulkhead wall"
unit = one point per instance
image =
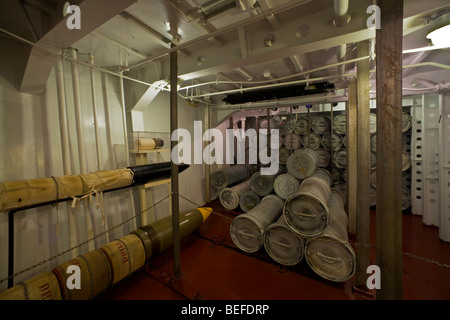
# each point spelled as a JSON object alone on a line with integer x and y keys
{"x": 30, "y": 147}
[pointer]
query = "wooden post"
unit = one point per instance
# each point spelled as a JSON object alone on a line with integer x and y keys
{"x": 363, "y": 151}
{"x": 389, "y": 149}
{"x": 352, "y": 148}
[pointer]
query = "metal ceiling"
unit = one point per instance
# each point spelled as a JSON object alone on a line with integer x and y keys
{"x": 228, "y": 40}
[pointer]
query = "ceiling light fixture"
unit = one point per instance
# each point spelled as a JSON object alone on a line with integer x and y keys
{"x": 440, "y": 37}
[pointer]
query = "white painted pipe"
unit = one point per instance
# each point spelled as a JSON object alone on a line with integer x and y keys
{"x": 341, "y": 16}
{"x": 63, "y": 117}
{"x": 125, "y": 135}
{"x": 81, "y": 143}
{"x": 65, "y": 144}
{"x": 97, "y": 138}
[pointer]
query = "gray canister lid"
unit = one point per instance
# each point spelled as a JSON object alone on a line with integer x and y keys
{"x": 301, "y": 125}
{"x": 321, "y": 124}
{"x": 307, "y": 215}
{"x": 248, "y": 200}
{"x": 332, "y": 141}
{"x": 406, "y": 122}
{"x": 340, "y": 124}
{"x": 311, "y": 141}
{"x": 246, "y": 233}
{"x": 286, "y": 185}
{"x": 284, "y": 155}
{"x": 303, "y": 163}
{"x": 340, "y": 159}
{"x": 262, "y": 185}
{"x": 282, "y": 244}
{"x": 330, "y": 258}
{"x": 229, "y": 199}
{"x": 292, "y": 141}
{"x": 373, "y": 123}
{"x": 324, "y": 157}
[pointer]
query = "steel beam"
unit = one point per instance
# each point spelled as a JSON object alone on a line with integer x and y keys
{"x": 363, "y": 155}
{"x": 389, "y": 149}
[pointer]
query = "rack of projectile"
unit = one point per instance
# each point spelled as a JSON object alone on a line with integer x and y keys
{"x": 304, "y": 218}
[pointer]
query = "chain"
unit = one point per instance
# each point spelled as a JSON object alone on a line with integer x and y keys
{"x": 82, "y": 243}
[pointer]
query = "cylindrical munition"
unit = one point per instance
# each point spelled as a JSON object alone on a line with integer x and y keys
{"x": 324, "y": 158}
{"x": 301, "y": 125}
{"x": 157, "y": 236}
{"x": 144, "y": 144}
{"x": 330, "y": 254}
{"x": 321, "y": 125}
{"x": 229, "y": 197}
{"x": 303, "y": 163}
{"x": 282, "y": 244}
{"x": 27, "y": 193}
{"x": 311, "y": 141}
{"x": 332, "y": 141}
{"x": 292, "y": 141}
{"x": 284, "y": 155}
{"x": 286, "y": 185}
{"x": 225, "y": 177}
{"x": 95, "y": 276}
{"x": 247, "y": 230}
{"x": 340, "y": 124}
{"x": 262, "y": 185}
{"x": 44, "y": 286}
{"x": 248, "y": 200}
{"x": 307, "y": 211}
{"x": 325, "y": 175}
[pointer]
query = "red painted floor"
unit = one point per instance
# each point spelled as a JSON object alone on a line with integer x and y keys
{"x": 214, "y": 269}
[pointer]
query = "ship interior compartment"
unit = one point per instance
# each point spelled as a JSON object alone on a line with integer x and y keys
{"x": 236, "y": 150}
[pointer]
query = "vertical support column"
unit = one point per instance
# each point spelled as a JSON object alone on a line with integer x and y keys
{"x": 10, "y": 248}
{"x": 173, "y": 166}
{"x": 363, "y": 177}
{"x": 352, "y": 148}
{"x": 417, "y": 157}
{"x": 389, "y": 146}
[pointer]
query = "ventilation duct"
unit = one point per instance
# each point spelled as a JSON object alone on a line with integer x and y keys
{"x": 217, "y": 10}
{"x": 279, "y": 93}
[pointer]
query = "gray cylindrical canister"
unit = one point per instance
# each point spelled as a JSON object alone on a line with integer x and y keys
{"x": 324, "y": 157}
{"x": 340, "y": 124}
{"x": 225, "y": 177}
{"x": 307, "y": 211}
{"x": 286, "y": 185}
{"x": 229, "y": 197}
{"x": 340, "y": 159}
{"x": 282, "y": 244}
{"x": 248, "y": 200}
{"x": 292, "y": 141}
{"x": 262, "y": 185}
{"x": 321, "y": 125}
{"x": 284, "y": 155}
{"x": 311, "y": 141}
{"x": 332, "y": 141}
{"x": 337, "y": 175}
{"x": 325, "y": 175}
{"x": 301, "y": 125}
{"x": 406, "y": 122}
{"x": 247, "y": 230}
{"x": 303, "y": 163}
{"x": 330, "y": 254}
